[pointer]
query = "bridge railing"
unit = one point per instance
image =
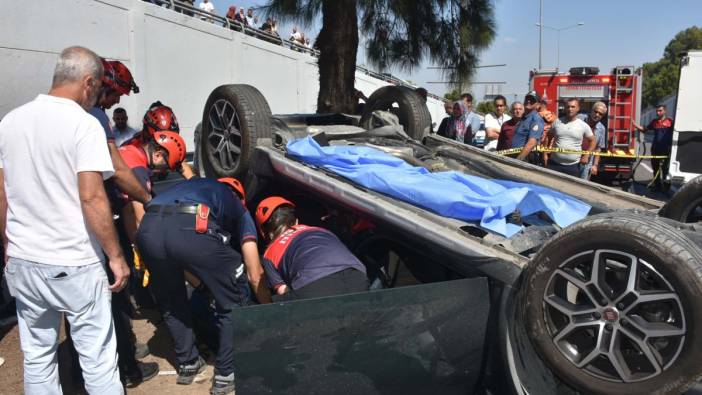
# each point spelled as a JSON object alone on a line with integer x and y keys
{"x": 189, "y": 9}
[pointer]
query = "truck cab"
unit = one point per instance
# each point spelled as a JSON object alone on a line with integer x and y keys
{"x": 687, "y": 137}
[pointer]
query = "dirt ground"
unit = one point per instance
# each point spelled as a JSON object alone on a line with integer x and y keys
{"x": 156, "y": 336}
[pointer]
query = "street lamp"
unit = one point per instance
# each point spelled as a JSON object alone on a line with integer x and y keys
{"x": 558, "y": 30}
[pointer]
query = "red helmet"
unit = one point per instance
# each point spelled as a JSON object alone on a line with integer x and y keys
{"x": 236, "y": 186}
{"x": 118, "y": 77}
{"x": 266, "y": 208}
{"x": 174, "y": 145}
{"x": 159, "y": 118}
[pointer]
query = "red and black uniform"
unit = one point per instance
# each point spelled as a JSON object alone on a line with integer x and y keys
{"x": 662, "y": 142}
{"x": 312, "y": 262}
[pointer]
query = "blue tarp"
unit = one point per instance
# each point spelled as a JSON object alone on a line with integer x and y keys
{"x": 450, "y": 194}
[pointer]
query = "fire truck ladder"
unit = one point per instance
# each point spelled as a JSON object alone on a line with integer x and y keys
{"x": 619, "y": 117}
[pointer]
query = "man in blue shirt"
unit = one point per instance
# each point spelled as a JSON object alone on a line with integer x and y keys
{"x": 599, "y": 110}
{"x": 471, "y": 117}
{"x": 201, "y": 226}
{"x": 530, "y": 128}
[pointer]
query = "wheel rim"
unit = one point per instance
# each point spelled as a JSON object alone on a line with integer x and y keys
{"x": 224, "y": 140}
{"x": 614, "y": 316}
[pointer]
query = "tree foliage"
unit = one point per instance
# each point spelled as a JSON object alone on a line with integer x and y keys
{"x": 454, "y": 95}
{"x": 661, "y": 77}
{"x": 486, "y": 107}
{"x": 397, "y": 33}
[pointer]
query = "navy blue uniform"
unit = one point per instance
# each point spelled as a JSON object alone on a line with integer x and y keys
{"x": 169, "y": 244}
{"x": 305, "y": 256}
{"x": 661, "y": 145}
{"x": 532, "y": 126}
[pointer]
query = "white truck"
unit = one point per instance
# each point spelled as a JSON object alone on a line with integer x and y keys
{"x": 687, "y": 137}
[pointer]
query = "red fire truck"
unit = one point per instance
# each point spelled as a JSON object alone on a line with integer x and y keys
{"x": 620, "y": 91}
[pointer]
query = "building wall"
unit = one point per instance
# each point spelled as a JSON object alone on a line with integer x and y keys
{"x": 175, "y": 58}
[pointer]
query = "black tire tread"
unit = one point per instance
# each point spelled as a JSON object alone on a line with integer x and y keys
{"x": 685, "y": 200}
{"x": 419, "y": 117}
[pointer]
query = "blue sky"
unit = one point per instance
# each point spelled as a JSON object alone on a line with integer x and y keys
{"x": 615, "y": 32}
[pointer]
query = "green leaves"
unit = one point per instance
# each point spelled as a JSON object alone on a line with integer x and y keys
{"x": 661, "y": 77}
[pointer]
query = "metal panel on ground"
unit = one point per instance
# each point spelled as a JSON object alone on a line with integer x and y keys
{"x": 412, "y": 340}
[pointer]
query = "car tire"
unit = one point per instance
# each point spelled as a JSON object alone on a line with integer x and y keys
{"x": 683, "y": 205}
{"x": 658, "y": 304}
{"x": 412, "y": 111}
{"x": 234, "y": 118}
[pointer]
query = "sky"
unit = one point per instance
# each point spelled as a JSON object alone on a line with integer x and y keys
{"x": 615, "y": 32}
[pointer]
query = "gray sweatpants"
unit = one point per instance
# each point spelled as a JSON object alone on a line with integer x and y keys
{"x": 42, "y": 293}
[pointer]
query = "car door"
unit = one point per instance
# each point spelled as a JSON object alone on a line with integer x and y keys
{"x": 417, "y": 339}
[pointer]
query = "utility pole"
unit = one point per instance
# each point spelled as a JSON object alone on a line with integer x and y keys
{"x": 541, "y": 23}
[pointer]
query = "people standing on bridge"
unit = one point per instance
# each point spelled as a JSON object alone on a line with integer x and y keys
{"x": 599, "y": 110}
{"x": 207, "y": 6}
{"x": 117, "y": 81}
{"x": 305, "y": 261}
{"x": 240, "y": 17}
{"x": 471, "y": 117}
{"x": 531, "y": 127}
{"x": 122, "y": 130}
{"x": 56, "y": 223}
{"x": 494, "y": 122}
{"x": 568, "y": 134}
{"x": 662, "y": 128}
{"x": 250, "y": 19}
{"x": 231, "y": 16}
{"x": 508, "y": 127}
{"x": 202, "y": 227}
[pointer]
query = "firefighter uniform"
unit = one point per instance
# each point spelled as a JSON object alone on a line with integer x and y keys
{"x": 661, "y": 145}
{"x": 190, "y": 227}
{"x": 313, "y": 263}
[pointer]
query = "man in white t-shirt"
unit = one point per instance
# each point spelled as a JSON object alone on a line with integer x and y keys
{"x": 494, "y": 121}
{"x": 207, "y": 6}
{"x": 55, "y": 221}
{"x": 569, "y": 135}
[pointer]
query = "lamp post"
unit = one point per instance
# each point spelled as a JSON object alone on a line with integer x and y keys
{"x": 558, "y": 30}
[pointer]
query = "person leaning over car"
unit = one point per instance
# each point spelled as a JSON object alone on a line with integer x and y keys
{"x": 531, "y": 127}
{"x": 304, "y": 261}
{"x": 202, "y": 227}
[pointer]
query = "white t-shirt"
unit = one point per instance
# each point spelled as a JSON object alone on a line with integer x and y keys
{"x": 569, "y": 136}
{"x": 44, "y": 144}
{"x": 491, "y": 121}
{"x": 209, "y": 7}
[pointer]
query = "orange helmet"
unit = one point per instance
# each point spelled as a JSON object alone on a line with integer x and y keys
{"x": 118, "y": 77}
{"x": 266, "y": 208}
{"x": 174, "y": 145}
{"x": 236, "y": 186}
{"x": 159, "y": 118}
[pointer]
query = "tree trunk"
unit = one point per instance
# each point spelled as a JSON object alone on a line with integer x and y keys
{"x": 338, "y": 43}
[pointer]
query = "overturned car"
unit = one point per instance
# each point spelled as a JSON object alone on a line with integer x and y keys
{"x": 605, "y": 305}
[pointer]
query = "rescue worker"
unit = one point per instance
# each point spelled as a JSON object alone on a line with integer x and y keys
{"x": 662, "y": 128}
{"x": 531, "y": 128}
{"x": 117, "y": 81}
{"x": 160, "y": 117}
{"x": 189, "y": 228}
{"x": 305, "y": 261}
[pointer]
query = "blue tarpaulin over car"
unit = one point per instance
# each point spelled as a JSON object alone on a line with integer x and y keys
{"x": 450, "y": 194}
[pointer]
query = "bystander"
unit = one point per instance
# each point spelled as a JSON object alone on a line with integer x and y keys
{"x": 494, "y": 121}
{"x": 530, "y": 129}
{"x": 121, "y": 129}
{"x": 599, "y": 110}
{"x": 57, "y": 270}
{"x": 568, "y": 134}
{"x": 508, "y": 127}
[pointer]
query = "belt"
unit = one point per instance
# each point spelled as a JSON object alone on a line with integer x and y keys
{"x": 171, "y": 209}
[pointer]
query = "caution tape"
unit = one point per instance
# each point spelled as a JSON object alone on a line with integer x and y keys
{"x": 607, "y": 154}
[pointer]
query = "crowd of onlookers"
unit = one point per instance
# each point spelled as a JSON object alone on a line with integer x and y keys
{"x": 241, "y": 19}
{"x": 531, "y": 124}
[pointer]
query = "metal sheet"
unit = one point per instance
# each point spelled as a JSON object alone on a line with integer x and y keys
{"x": 412, "y": 340}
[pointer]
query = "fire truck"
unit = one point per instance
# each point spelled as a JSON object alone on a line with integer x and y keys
{"x": 620, "y": 90}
